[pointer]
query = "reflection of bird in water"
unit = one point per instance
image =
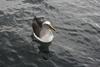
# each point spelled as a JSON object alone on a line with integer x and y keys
{"x": 44, "y": 51}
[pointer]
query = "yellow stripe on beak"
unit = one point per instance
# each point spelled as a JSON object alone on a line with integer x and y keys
{"x": 52, "y": 28}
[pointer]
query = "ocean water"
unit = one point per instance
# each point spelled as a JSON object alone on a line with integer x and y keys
{"x": 77, "y": 36}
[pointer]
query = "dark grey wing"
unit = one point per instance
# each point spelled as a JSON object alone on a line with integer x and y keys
{"x": 39, "y": 20}
{"x": 37, "y": 25}
{"x": 36, "y": 28}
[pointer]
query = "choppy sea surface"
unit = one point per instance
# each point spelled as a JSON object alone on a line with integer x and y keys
{"x": 77, "y": 36}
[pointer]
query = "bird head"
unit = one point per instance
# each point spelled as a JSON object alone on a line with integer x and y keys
{"x": 49, "y": 25}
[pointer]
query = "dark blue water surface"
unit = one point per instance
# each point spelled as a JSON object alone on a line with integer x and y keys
{"x": 77, "y": 36}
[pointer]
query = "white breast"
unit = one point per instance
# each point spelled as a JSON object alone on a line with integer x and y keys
{"x": 46, "y": 34}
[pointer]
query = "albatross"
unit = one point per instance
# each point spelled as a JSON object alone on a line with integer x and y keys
{"x": 42, "y": 30}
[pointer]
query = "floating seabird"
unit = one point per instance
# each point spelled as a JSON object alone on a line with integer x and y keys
{"x": 42, "y": 30}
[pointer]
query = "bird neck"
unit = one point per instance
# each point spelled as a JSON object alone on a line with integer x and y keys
{"x": 45, "y": 27}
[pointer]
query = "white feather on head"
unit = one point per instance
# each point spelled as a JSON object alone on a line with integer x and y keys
{"x": 47, "y": 22}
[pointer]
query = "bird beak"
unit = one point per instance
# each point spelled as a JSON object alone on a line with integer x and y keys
{"x": 52, "y": 28}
